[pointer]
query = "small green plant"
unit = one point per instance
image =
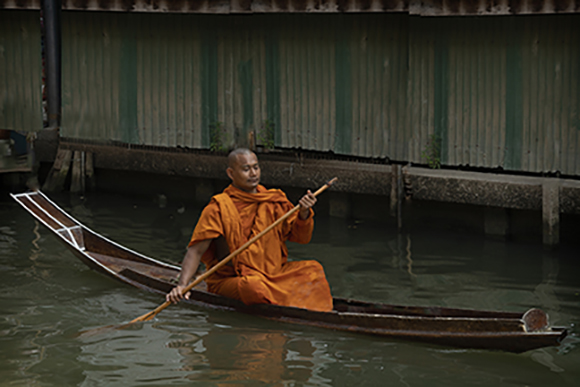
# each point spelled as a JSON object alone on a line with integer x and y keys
{"x": 432, "y": 152}
{"x": 219, "y": 137}
{"x": 266, "y": 135}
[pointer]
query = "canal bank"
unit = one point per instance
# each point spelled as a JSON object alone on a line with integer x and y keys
{"x": 501, "y": 206}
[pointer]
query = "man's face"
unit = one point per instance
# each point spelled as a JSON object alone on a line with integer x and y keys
{"x": 245, "y": 173}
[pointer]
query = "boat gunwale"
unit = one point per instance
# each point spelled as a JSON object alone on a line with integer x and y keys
{"x": 83, "y": 227}
{"x": 331, "y": 319}
{"x": 146, "y": 259}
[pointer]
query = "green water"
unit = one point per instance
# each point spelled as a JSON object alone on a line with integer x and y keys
{"x": 47, "y": 296}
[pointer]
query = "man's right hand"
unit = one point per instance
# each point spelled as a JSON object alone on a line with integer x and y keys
{"x": 175, "y": 295}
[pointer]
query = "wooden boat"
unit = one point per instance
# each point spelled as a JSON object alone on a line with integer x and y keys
{"x": 464, "y": 328}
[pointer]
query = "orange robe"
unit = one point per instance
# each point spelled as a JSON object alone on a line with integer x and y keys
{"x": 261, "y": 274}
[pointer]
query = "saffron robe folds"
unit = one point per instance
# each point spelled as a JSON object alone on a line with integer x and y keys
{"x": 261, "y": 274}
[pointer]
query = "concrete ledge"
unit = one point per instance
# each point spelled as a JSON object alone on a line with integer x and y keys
{"x": 284, "y": 170}
{"x": 570, "y": 197}
{"x": 487, "y": 189}
{"x": 474, "y": 188}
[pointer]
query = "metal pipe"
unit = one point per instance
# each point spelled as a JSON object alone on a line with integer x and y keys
{"x": 51, "y": 10}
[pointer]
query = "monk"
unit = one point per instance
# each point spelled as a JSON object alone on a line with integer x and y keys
{"x": 261, "y": 274}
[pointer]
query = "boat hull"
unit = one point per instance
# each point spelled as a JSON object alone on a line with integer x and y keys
{"x": 462, "y": 328}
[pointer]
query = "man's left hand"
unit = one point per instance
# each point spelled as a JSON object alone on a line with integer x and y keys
{"x": 306, "y": 203}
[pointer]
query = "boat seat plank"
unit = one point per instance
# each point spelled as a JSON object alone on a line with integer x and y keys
{"x": 117, "y": 265}
{"x": 74, "y": 235}
{"x": 151, "y": 283}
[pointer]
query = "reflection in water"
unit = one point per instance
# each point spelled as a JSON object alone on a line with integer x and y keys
{"x": 35, "y": 241}
{"x": 226, "y": 356}
{"x": 546, "y": 359}
{"x": 400, "y": 250}
{"x": 549, "y": 302}
{"x": 29, "y": 352}
{"x": 34, "y": 352}
{"x": 409, "y": 260}
{"x": 545, "y": 290}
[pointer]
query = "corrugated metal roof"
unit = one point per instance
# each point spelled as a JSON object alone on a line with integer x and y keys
{"x": 133, "y": 79}
{"x": 491, "y": 7}
{"x": 20, "y": 71}
{"x": 414, "y": 7}
{"x": 497, "y": 92}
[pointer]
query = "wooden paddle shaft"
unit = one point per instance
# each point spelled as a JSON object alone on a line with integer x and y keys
{"x": 148, "y": 316}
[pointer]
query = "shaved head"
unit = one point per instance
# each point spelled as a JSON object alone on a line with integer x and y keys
{"x": 233, "y": 156}
{"x": 244, "y": 170}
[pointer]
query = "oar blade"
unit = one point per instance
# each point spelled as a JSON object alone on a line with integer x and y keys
{"x": 146, "y": 317}
{"x": 100, "y": 330}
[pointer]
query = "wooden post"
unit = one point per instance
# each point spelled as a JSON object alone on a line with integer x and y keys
{"x": 59, "y": 171}
{"x": 339, "y": 205}
{"x": 394, "y": 180}
{"x": 77, "y": 184}
{"x": 551, "y": 212}
{"x": 203, "y": 190}
{"x": 90, "y": 172}
{"x": 397, "y": 194}
{"x": 251, "y": 141}
{"x": 496, "y": 222}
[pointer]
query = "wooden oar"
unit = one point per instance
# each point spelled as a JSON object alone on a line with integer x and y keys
{"x": 150, "y": 315}
{"x": 153, "y": 313}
